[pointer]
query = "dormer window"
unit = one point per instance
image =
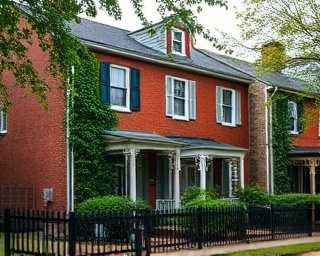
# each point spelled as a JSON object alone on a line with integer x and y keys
{"x": 178, "y": 42}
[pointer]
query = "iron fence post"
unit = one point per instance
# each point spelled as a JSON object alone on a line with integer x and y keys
{"x": 199, "y": 227}
{"x": 272, "y": 220}
{"x": 310, "y": 224}
{"x": 7, "y": 224}
{"x": 147, "y": 233}
{"x": 72, "y": 234}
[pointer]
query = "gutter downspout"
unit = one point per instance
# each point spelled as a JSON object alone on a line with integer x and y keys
{"x": 269, "y": 144}
{"x": 70, "y": 165}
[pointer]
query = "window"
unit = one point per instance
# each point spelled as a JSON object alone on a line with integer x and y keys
{"x": 228, "y": 106}
{"x": 120, "y": 87}
{"x": 3, "y": 122}
{"x": 119, "y": 81}
{"x": 295, "y": 112}
{"x": 180, "y": 98}
{"x": 293, "y": 116}
{"x": 178, "y": 42}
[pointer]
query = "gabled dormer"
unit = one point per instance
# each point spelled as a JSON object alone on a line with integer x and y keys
{"x": 174, "y": 41}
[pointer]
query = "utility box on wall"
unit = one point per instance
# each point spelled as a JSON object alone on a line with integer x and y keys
{"x": 48, "y": 195}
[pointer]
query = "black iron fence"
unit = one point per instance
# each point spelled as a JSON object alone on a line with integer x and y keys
{"x": 142, "y": 233}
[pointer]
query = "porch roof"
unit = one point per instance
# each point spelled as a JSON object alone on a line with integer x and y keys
{"x": 304, "y": 151}
{"x": 124, "y": 139}
{"x": 198, "y": 146}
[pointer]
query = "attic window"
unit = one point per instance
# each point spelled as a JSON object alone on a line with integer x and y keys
{"x": 178, "y": 42}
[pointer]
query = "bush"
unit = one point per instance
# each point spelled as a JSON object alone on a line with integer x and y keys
{"x": 253, "y": 195}
{"x": 192, "y": 193}
{"x": 110, "y": 205}
{"x": 291, "y": 199}
{"x": 109, "y": 216}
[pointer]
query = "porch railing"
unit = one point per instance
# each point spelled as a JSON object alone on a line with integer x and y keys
{"x": 164, "y": 204}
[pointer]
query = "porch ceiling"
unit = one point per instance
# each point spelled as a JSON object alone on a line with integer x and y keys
{"x": 124, "y": 139}
{"x": 201, "y": 146}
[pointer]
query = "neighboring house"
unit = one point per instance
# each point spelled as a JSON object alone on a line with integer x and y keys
{"x": 184, "y": 121}
{"x": 303, "y": 127}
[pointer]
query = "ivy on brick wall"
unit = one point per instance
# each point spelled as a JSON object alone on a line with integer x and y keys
{"x": 88, "y": 117}
{"x": 282, "y": 144}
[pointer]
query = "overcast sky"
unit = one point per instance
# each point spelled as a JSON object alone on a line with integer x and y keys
{"x": 211, "y": 17}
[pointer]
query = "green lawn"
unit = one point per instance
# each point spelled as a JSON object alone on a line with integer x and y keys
{"x": 295, "y": 249}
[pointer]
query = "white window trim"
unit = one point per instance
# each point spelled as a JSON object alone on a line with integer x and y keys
{"x": 183, "y": 42}
{"x": 296, "y": 129}
{"x": 233, "y": 104}
{"x": 127, "y": 107}
{"x": 3, "y": 119}
{"x": 186, "y": 102}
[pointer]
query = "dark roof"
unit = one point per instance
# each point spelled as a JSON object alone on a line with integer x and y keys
{"x": 116, "y": 38}
{"x": 191, "y": 142}
{"x": 139, "y": 136}
{"x": 305, "y": 151}
{"x": 273, "y": 79}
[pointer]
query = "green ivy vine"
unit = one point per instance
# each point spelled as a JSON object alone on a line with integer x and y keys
{"x": 282, "y": 144}
{"x": 93, "y": 176}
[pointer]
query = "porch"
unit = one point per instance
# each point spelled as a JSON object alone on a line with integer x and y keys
{"x": 158, "y": 169}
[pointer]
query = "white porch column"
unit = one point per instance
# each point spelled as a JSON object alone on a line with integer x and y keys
{"x": 170, "y": 178}
{"x": 177, "y": 168}
{"x": 203, "y": 167}
{"x": 133, "y": 173}
{"x": 312, "y": 166}
{"x": 242, "y": 172}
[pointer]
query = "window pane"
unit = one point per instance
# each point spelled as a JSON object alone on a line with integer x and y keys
{"x": 118, "y": 96}
{"x": 179, "y": 88}
{"x": 118, "y": 77}
{"x": 179, "y": 97}
{"x": 177, "y": 47}
{"x": 227, "y": 114}
{"x": 177, "y": 36}
{"x": 227, "y": 98}
{"x": 179, "y": 107}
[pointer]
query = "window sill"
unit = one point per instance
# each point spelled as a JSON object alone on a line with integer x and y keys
{"x": 228, "y": 124}
{"x": 121, "y": 109}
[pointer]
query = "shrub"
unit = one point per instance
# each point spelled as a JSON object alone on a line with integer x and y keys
{"x": 110, "y": 205}
{"x": 192, "y": 193}
{"x": 290, "y": 199}
{"x": 110, "y": 216}
{"x": 253, "y": 195}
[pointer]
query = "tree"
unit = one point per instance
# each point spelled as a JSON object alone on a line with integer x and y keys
{"x": 290, "y": 27}
{"x": 48, "y": 20}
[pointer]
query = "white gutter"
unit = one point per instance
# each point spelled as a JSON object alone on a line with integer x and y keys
{"x": 134, "y": 55}
{"x": 269, "y": 144}
{"x": 70, "y": 166}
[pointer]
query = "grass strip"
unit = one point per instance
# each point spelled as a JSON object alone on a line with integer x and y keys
{"x": 286, "y": 250}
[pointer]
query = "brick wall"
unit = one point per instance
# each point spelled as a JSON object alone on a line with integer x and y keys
{"x": 33, "y": 151}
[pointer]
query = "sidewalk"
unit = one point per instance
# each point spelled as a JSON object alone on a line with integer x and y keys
{"x": 243, "y": 247}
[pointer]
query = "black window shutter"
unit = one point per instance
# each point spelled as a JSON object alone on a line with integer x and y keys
{"x": 134, "y": 89}
{"x": 300, "y": 112}
{"x": 105, "y": 82}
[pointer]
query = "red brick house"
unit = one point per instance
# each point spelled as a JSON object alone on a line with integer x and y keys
{"x": 183, "y": 122}
{"x": 305, "y": 154}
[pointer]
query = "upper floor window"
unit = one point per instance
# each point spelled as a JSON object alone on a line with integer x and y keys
{"x": 295, "y": 112}
{"x": 228, "y": 106}
{"x": 3, "y": 122}
{"x": 180, "y": 98}
{"x": 178, "y": 42}
{"x": 120, "y": 87}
